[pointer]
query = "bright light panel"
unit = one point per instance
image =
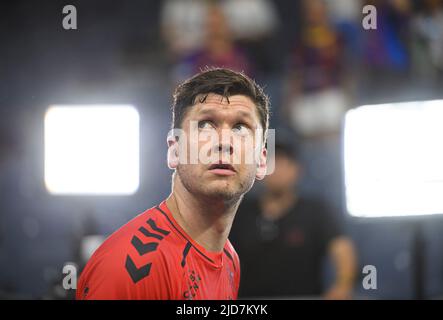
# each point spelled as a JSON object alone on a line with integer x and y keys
{"x": 393, "y": 159}
{"x": 92, "y": 149}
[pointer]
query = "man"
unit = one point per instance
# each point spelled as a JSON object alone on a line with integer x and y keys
{"x": 180, "y": 248}
{"x": 283, "y": 239}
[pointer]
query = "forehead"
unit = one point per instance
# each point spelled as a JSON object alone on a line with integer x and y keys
{"x": 214, "y": 102}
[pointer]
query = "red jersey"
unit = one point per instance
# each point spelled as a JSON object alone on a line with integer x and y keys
{"x": 152, "y": 257}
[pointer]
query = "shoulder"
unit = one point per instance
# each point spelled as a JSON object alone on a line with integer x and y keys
{"x": 141, "y": 235}
{"x": 132, "y": 258}
{"x": 232, "y": 254}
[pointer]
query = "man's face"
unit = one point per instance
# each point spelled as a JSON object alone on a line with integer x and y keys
{"x": 285, "y": 175}
{"x": 224, "y": 135}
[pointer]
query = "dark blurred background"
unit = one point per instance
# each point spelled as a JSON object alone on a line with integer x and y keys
{"x": 313, "y": 58}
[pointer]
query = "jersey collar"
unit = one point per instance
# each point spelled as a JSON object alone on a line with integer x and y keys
{"x": 215, "y": 258}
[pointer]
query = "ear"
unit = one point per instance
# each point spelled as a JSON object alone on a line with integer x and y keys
{"x": 262, "y": 164}
{"x": 173, "y": 154}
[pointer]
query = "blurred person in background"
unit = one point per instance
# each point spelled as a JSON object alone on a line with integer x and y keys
{"x": 316, "y": 98}
{"x": 219, "y": 48}
{"x": 346, "y": 17}
{"x": 251, "y": 19}
{"x": 254, "y": 25}
{"x": 85, "y": 240}
{"x": 427, "y": 29}
{"x": 11, "y": 183}
{"x": 386, "y": 57}
{"x": 387, "y": 48}
{"x": 283, "y": 239}
{"x": 182, "y": 25}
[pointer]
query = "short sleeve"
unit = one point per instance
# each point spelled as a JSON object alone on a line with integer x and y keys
{"x": 123, "y": 278}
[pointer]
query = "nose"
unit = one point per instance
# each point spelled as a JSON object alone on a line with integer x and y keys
{"x": 224, "y": 143}
{"x": 224, "y": 148}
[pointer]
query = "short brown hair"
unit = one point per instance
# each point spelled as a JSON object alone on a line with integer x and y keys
{"x": 223, "y": 82}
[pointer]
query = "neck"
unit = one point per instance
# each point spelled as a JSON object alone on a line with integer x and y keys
{"x": 286, "y": 194}
{"x": 206, "y": 220}
{"x": 275, "y": 203}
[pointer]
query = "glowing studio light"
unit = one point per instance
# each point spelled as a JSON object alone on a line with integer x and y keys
{"x": 393, "y": 159}
{"x": 92, "y": 149}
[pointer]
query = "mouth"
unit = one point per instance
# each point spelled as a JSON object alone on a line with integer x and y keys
{"x": 222, "y": 169}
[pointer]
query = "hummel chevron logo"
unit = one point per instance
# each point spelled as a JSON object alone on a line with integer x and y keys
{"x": 142, "y": 248}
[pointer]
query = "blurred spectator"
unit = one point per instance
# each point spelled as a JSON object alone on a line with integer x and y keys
{"x": 386, "y": 53}
{"x": 346, "y": 16}
{"x": 283, "y": 239}
{"x": 183, "y": 22}
{"x": 254, "y": 24}
{"x": 12, "y": 204}
{"x": 219, "y": 48}
{"x": 182, "y": 25}
{"x": 387, "y": 48}
{"x": 345, "y": 11}
{"x": 428, "y": 40}
{"x": 316, "y": 99}
{"x": 251, "y": 19}
{"x": 84, "y": 242}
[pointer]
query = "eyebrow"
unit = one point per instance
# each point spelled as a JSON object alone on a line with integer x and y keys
{"x": 211, "y": 111}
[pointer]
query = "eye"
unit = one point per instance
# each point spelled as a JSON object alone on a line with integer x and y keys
{"x": 241, "y": 128}
{"x": 205, "y": 124}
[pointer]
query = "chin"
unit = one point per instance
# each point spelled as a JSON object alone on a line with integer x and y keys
{"x": 225, "y": 192}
